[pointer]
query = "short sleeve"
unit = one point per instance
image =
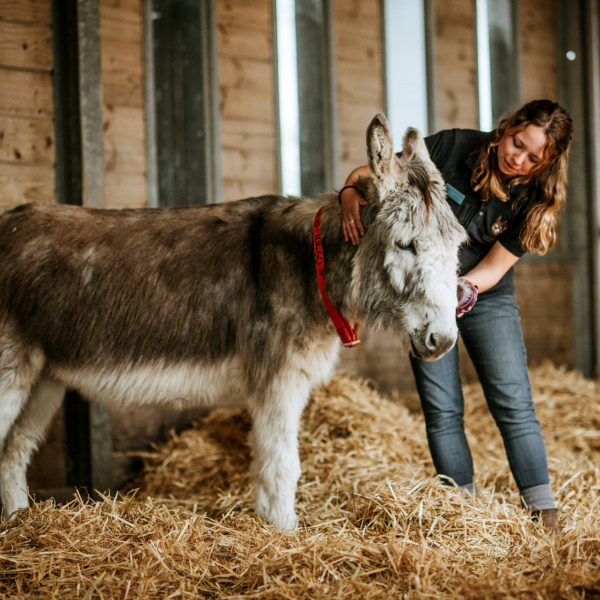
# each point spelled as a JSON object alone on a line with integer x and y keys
{"x": 511, "y": 238}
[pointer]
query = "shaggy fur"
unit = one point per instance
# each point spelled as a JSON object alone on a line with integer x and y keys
{"x": 215, "y": 305}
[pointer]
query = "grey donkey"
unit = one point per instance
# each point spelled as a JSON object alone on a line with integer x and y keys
{"x": 216, "y": 305}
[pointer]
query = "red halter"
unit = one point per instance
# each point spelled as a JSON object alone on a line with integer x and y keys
{"x": 348, "y": 335}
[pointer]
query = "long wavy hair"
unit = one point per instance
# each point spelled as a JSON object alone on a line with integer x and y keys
{"x": 542, "y": 197}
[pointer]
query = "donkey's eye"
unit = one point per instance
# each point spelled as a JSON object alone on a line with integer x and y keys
{"x": 412, "y": 248}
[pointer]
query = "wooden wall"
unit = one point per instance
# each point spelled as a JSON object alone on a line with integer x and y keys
{"x": 358, "y": 64}
{"x": 456, "y": 64}
{"x": 26, "y": 103}
{"x": 123, "y": 110}
{"x": 247, "y": 98}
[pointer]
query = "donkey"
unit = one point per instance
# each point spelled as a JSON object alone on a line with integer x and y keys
{"x": 216, "y": 305}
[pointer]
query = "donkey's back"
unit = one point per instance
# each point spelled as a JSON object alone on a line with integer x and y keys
{"x": 113, "y": 287}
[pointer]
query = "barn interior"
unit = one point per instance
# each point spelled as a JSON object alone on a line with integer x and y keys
{"x": 148, "y": 103}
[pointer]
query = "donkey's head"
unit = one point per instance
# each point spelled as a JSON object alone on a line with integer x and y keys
{"x": 413, "y": 238}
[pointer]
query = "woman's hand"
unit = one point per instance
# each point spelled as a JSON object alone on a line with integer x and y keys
{"x": 351, "y": 200}
{"x": 466, "y": 294}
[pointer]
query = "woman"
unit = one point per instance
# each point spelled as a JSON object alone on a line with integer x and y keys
{"x": 507, "y": 188}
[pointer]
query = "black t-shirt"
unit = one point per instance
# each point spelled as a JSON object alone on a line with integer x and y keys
{"x": 454, "y": 152}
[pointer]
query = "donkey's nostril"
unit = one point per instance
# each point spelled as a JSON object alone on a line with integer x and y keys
{"x": 433, "y": 341}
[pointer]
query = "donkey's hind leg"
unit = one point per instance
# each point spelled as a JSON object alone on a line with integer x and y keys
{"x": 23, "y": 439}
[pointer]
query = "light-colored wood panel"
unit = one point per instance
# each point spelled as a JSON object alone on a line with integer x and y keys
{"x": 26, "y": 183}
{"x": 27, "y": 11}
{"x": 247, "y": 100}
{"x": 538, "y": 49}
{"x": 544, "y": 295}
{"x": 122, "y": 62}
{"x": 124, "y": 11}
{"x": 122, "y": 92}
{"x": 125, "y": 190}
{"x": 239, "y": 43}
{"x": 246, "y": 38}
{"x": 246, "y": 90}
{"x": 358, "y": 54}
{"x": 456, "y": 63}
{"x": 122, "y": 46}
{"x": 249, "y": 164}
{"x": 124, "y": 155}
{"x": 125, "y": 122}
{"x": 237, "y": 189}
{"x": 248, "y": 155}
{"x": 26, "y": 141}
{"x": 348, "y": 13}
{"x": 244, "y": 13}
{"x": 123, "y": 116}
{"x": 25, "y": 46}
{"x": 26, "y": 94}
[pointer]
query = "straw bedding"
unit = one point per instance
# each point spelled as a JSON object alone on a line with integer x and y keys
{"x": 375, "y": 522}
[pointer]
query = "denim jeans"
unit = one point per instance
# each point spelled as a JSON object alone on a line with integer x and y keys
{"x": 492, "y": 335}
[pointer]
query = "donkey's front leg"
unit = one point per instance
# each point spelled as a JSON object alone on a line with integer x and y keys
{"x": 274, "y": 439}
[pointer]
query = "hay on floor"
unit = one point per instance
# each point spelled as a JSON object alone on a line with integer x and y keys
{"x": 375, "y": 522}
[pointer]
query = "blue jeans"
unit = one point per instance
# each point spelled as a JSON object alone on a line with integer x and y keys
{"x": 492, "y": 335}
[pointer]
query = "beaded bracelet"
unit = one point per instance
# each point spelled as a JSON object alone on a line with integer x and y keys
{"x": 345, "y": 188}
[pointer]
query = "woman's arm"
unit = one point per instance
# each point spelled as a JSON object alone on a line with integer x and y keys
{"x": 492, "y": 267}
{"x": 351, "y": 201}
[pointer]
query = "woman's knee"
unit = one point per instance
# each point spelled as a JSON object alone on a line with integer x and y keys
{"x": 443, "y": 422}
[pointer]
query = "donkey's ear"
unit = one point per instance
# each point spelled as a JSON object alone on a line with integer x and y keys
{"x": 414, "y": 145}
{"x": 380, "y": 147}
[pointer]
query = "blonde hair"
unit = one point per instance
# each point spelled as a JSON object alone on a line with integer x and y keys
{"x": 542, "y": 198}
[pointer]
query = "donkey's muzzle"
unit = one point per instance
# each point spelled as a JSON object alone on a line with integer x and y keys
{"x": 432, "y": 345}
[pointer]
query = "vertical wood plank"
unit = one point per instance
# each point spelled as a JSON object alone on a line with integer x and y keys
{"x": 456, "y": 63}
{"x": 123, "y": 110}
{"x": 247, "y": 98}
{"x": 538, "y": 49}
{"x": 358, "y": 49}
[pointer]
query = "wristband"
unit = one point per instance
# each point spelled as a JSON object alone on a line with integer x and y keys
{"x": 467, "y": 299}
{"x": 345, "y": 188}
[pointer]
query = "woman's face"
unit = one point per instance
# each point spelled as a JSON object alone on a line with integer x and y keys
{"x": 521, "y": 151}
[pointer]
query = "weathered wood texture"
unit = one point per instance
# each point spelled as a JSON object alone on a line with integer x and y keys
{"x": 456, "y": 63}
{"x": 25, "y": 45}
{"x": 26, "y": 103}
{"x": 546, "y": 307}
{"x": 123, "y": 114}
{"x": 247, "y": 98}
{"x": 27, "y": 11}
{"x": 538, "y": 49}
{"x": 358, "y": 62}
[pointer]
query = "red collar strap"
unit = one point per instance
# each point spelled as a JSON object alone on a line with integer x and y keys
{"x": 348, "y": 335}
